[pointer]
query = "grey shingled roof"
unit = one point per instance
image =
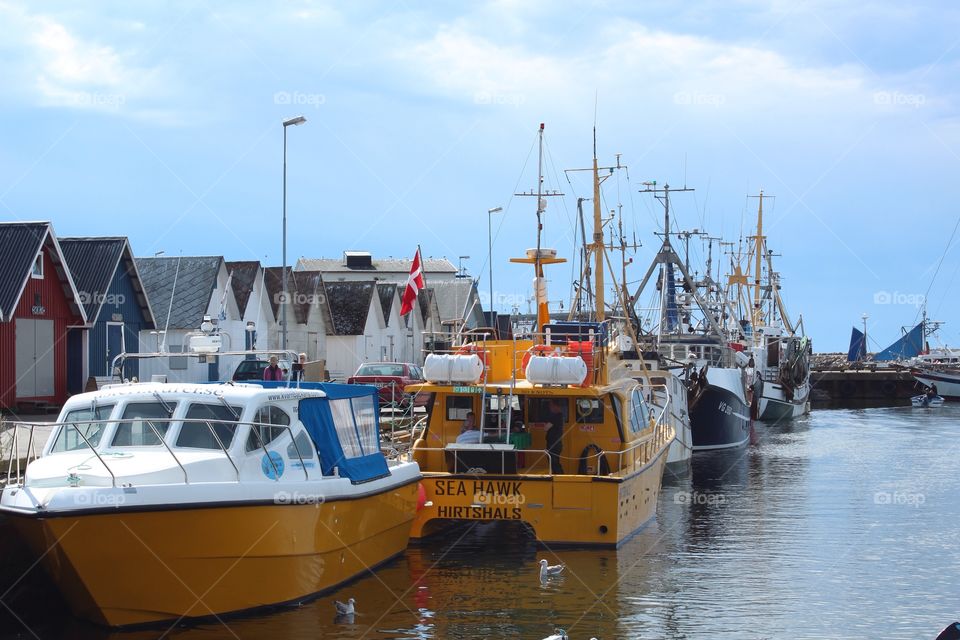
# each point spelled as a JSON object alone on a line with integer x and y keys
{"x": 348, "y": 304}
{"x": 387, "y": 293}
{"x": 19, "y": 244}
{"x": 391, "y": 266}
{"x": 94, "y": 263}
{"x": 305, "y": 287}
{"x": 196, "y": 279}
{"x": 455, "y": 298}
{"x": 243, "y": 278}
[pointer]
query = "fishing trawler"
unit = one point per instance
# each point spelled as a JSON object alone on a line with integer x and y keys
{"x": 537, "y": 430}
{"x": 164, "y": 501}
{"x": 689, "y": 338}
{"x": 779, "y": 352}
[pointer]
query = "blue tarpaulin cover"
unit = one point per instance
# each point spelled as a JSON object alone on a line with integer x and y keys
{"x": 345, "y": 426}
{"x": 908, "y": 346}
{"x": 858, "y": 346}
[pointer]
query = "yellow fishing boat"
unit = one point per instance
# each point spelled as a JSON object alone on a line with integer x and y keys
{"x": 554, "y": 430}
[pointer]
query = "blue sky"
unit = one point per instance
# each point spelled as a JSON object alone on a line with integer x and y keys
{"x": 161, "y": 121}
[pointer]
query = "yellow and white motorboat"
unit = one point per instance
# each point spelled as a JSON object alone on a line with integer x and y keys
{"x": 154, "y": 502}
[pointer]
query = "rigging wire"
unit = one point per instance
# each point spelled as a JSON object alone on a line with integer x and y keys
{"x": 939, "y": 264}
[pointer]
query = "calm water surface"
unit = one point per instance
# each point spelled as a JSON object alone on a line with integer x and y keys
{"x": 843, "y": 524}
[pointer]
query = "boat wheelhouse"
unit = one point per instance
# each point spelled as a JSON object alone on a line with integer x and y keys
{"x": 155, "y": 501}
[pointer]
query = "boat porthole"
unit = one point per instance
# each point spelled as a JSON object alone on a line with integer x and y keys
{"x": 603, "y": 529}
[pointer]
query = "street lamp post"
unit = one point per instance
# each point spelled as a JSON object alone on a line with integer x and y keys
{"x": 295, "y": 121}
{"x": 490, "y": 213}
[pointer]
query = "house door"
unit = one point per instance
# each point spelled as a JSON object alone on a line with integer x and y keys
{"x": 35, "y": 358}
{"x": 115, "y": 344}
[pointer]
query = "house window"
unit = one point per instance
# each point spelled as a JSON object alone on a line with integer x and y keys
{"x": 37, "y": 271}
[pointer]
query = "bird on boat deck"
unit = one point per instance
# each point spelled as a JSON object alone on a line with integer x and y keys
{"x": 549, "y": 571}
{"x": 345, "y": 609}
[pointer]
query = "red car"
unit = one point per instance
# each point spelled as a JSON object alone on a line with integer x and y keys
{"x": 391, "y": 378}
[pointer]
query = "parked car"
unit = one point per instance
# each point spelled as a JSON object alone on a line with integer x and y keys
{"x": 391, "y": 378}
{"x": 253, "y": 370}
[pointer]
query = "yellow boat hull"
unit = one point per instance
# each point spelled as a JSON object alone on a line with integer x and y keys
{"x": 131, "y": 568}
{"x": 578, "y": 510}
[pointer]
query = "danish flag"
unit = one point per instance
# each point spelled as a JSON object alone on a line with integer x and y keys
{"x": 414, "y": 285}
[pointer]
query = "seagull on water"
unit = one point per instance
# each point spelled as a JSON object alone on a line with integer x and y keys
{"x": 345, "y": 609}
{"x": 549, "y": 571}
{"x": 559, "y": 635}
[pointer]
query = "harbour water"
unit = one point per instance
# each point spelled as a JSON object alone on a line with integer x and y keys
{"x": 842, "y": 524}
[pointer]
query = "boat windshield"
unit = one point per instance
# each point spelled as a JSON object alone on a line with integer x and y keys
{"x": 143, "y": 421}
{"x": 218, "y": 427}
{"x": 87, "y": 421}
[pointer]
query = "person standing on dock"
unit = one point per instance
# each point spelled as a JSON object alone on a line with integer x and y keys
{"x": 555, "y": 435}
{"x": 273, "y": 371}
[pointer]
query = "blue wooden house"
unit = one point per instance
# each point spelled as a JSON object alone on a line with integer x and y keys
{"x": 116, "y": 305}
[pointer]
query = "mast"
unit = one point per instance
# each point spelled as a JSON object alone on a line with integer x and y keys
{"x": 539, "y": 256}
{"x": 597, "y": 235}
{"x": 758, "y": 250}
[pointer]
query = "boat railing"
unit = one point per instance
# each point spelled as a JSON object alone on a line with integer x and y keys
{"x": 18, "y": 458}
{"x": 639, "y": 452}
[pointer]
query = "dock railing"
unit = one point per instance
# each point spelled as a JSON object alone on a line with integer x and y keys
{"x": 23, "y": 443}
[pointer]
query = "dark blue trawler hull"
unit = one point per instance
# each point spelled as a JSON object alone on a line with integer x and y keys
{"x": 719, "y": 419}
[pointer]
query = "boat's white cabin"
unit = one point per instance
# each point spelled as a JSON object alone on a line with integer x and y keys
{"x": 155, "y": 433}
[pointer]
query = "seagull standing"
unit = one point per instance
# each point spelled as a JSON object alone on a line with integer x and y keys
{"x": 345, "y": 609}
{"x": 549, "y": 571}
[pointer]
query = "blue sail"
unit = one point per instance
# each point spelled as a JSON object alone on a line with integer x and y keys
{"x": 858, "y": 346}
{"x": 673, "y": 319}
{"x": 908, "y": 346}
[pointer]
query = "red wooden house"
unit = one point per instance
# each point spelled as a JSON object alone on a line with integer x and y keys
{"x": 38, "y": 303}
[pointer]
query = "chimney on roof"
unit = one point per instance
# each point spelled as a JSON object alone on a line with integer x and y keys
{"x": 358, "y": 259}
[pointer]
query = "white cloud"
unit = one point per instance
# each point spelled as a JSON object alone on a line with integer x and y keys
{"x": 54, "y": 67}
{"x": 633, "y": 62}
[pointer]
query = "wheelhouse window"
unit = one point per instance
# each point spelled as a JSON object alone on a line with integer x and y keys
{"x": 458, "y": 407}
{"x": 539, "y": 409}
{"x": 263, "y": 433}
{"x": 301, "y": 447}
{"x": 219, "y": 422}
{"x": 589, "y": 410}
{"x": 37, "y": 270}
{"x": 88, "y": 422}
{"x": 143, "y": 421}
{"x": 639, "y": 414}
